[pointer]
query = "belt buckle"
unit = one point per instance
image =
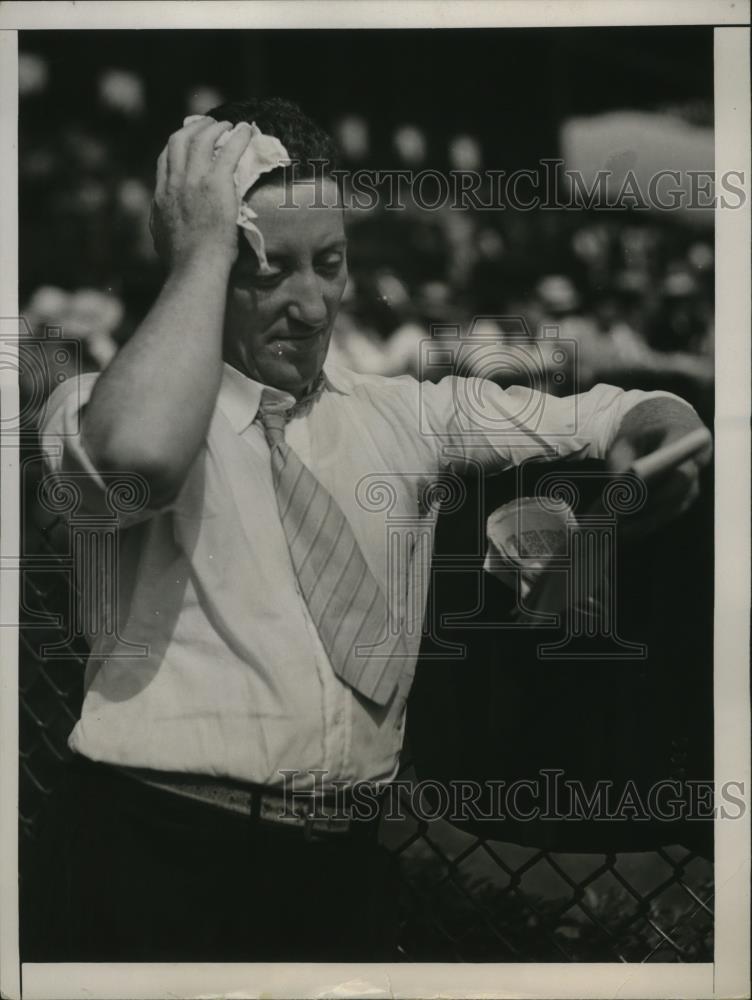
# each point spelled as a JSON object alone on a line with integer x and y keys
{"x": 295, "y": 815}
{"x": 331, "y": 826}
{"x": 303, "y": 817}
{"x": 309, "y": 832}
{"x": 269, "y": 813}
{"x": 312, "y": 823}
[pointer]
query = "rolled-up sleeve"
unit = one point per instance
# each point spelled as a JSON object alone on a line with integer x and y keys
{"x": 476, "y": 422}
{"x": 72, "y": 476}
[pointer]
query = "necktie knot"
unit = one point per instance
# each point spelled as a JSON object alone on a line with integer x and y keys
{"x": 273, "y": 421}
{"x": 274, "y": 415}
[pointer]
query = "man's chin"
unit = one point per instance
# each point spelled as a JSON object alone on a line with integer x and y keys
{"x": 291, "y": 374}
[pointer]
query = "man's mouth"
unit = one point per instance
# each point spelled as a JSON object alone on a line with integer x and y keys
{"x": 301, "y": 333}
{"x": 296, "y": 341}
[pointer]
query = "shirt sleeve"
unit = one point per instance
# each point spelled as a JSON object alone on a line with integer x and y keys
{"x": 75, "y": 485}
{"x": 475, "y": 422}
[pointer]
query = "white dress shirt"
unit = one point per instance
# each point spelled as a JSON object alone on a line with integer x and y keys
{"x": 215, "y": 666}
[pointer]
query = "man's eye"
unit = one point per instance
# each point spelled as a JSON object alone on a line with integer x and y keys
{"x": 331, "y": 263}
{"x": 267, "y": 280}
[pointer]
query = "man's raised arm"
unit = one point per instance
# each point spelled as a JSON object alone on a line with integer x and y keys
{"x": 150, "y": 410}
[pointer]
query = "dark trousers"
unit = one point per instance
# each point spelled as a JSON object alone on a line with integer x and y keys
{"x": 123, "y": 872}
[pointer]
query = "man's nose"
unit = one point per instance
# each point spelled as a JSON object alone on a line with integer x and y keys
{"x": 307, "y": 304}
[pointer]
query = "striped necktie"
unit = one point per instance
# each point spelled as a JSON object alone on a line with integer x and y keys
{"x": 346, "y": 603}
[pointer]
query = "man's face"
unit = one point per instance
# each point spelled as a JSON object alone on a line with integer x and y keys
{"x": 277, "y": 326}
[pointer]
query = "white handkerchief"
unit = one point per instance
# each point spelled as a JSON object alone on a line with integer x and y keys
{"x": 263, "y": 153}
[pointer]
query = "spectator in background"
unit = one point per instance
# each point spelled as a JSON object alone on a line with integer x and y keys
{"x": 85, "y": 182}
{"x": 52, "y": 316}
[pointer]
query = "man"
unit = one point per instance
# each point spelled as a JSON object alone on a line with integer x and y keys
{"x": 279, "y": 623}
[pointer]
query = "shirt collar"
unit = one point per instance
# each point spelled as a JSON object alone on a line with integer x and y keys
{"x": 240, "y": 396}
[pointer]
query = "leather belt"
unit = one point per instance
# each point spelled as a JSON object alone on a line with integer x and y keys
{"x": 302, "y": 812}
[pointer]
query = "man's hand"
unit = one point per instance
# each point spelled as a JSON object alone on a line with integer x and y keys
{"x": 150, "y": 410}
{"x": 195, "y": 206}
{"x": 651, "y": 425}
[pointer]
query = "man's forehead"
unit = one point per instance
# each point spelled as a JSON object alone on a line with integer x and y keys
{"x": 288, "y": 199}
{"x": 300, "y": 211}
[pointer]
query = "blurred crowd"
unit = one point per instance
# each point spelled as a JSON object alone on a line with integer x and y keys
{"x": 630, "y": 294}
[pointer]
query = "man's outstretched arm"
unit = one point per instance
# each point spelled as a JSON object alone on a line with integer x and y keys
{"x": 150, "y": 410}
{"x": 475, "y": 423}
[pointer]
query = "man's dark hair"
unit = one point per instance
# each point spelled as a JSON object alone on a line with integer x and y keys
{"x": 312, "y": 149}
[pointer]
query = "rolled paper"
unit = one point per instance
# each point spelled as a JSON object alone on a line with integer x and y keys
{"x": 672, "y": 455}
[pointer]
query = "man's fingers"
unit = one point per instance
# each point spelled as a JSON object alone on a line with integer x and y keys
{"x": 667, "y": 499}
{"x": 673, "y": 490}
{"x": 674, "y": 480}
{"x": 161, "y": 179}
{"x": 177, "y": 144}
{"x": 228, "y": 156}
{"x": 155, "y": 229}
{"x": 201, "y": 148}
{"x": 703, "y": 457}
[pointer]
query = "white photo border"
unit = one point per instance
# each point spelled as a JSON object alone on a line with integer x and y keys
{"x": 728, "y": 976}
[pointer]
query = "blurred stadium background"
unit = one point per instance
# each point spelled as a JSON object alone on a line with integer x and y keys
{"x": 634, "y": 289}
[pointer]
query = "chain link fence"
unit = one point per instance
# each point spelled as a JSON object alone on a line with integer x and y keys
{"x": 464, "y": 898}
{"x": 477, "y": 900}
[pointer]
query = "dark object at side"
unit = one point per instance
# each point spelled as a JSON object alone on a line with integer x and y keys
{"x": 501, "y": 713}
